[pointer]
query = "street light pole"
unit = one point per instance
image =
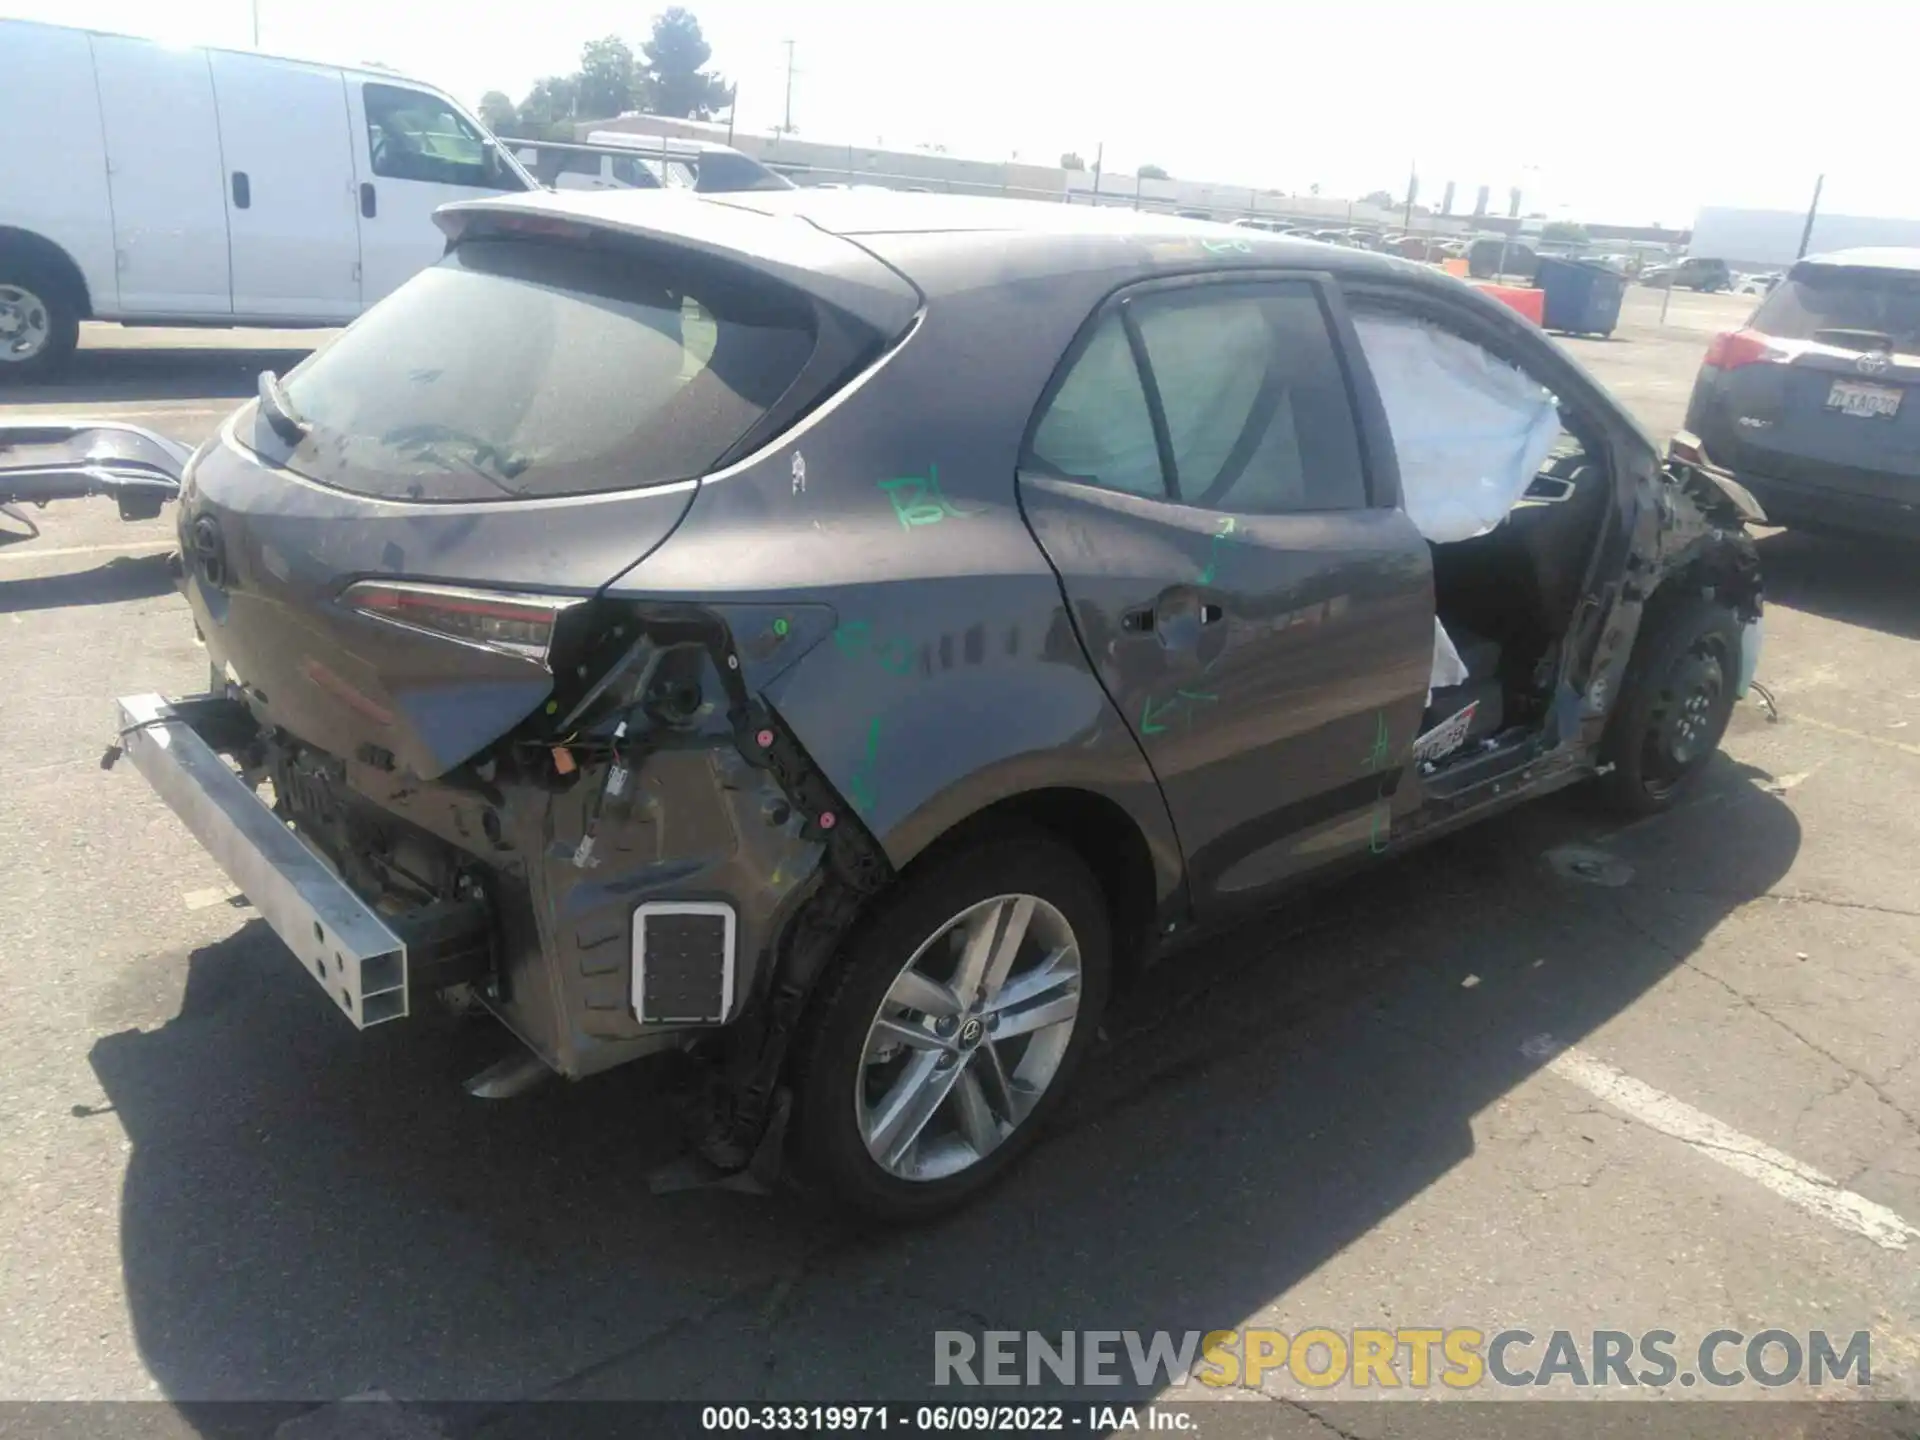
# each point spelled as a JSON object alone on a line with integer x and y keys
{"x": 256, "y": 24}
{"x": 787, "y": 127}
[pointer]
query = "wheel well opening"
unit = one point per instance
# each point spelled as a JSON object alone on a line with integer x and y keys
{"x": 1103, "y": 835}
{"x": 41, "y": 252}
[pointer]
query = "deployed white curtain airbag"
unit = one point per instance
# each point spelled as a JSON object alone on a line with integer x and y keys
{"x": 1471, "y": 431}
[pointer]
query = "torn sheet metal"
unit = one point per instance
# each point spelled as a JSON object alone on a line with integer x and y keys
{"x": 1471, "y": 431}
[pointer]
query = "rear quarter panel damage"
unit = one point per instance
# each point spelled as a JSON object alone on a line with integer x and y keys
{"x": 952, "y": 679}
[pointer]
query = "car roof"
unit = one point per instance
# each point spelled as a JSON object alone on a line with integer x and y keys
{"x": 786, "y": 227}
{"x": 1868, "y": 257}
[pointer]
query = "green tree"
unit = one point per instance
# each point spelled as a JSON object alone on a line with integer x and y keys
{"x": 550, "y": 108}
{"x": 605, "y": 81}
{"x": 1071, "y": 161}
{"x": 1564, "y": 232}
{"x": 671, "y": 78}
{"x": 1153, "y": 172}
{"x": 1379, "y": 199}
{"x": 499, "y": 114}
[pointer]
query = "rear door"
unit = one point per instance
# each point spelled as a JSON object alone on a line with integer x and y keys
{"x": 164, "y": 178}
{"x": 1257, "y": 607}
{"x": 1838, "y": 399}
{"x": 414, "y": 151}
{"x": 290, "y": 188}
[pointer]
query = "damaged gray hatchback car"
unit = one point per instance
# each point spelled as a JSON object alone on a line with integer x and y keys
{"x": 838, "y": 636}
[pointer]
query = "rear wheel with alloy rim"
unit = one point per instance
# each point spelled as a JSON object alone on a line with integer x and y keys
{"x": 953, "y": 1027}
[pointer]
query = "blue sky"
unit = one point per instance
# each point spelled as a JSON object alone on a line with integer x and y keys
{"x": 1626, "y": 110}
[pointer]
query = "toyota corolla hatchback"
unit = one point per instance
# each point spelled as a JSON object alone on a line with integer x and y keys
{"x": 1811, "y": 405}
{"x": 842, "y": 636}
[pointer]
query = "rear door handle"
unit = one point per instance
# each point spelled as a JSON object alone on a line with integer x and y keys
{"x": 1138, "y": 621}
{"x": 1210, "y": 614}
{"x": 369, "y": 203}
{"x": 242, "y": 190}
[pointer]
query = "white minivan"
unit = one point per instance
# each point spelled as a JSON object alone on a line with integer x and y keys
{"x": 154, "y": 184}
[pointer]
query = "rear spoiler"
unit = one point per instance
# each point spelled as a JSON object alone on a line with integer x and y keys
{"x": 70, "y": 459}
{"x": 783, "y": 246}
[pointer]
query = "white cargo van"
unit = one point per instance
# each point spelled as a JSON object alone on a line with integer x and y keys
{"x": 152, "y": 184}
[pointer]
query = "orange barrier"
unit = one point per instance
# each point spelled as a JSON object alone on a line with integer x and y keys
{"x": 1454, "y": 265}
{"x": 1530, "y": 303}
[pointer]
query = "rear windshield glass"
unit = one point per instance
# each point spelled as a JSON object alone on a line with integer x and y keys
{"x": 524, "y": 368}
{"x": 1861, "y": 309}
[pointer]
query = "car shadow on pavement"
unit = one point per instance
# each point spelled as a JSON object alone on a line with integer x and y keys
{"x": 309, "y": 1212}
{"x": 125, "y": 577}
{"x": 121, "y": 373}
{"x": 1859, "y": 581}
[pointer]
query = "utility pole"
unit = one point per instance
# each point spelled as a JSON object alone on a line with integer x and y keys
{"x": 1413, "y": 190}
{"x": 1806, "y": 233}
{"x": 256, "y": 24}
{"x": 1099, "y": 155}
{"x": 787, "y": 128}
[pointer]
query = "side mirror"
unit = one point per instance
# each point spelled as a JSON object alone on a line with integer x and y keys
{"x": 43, "y": 460}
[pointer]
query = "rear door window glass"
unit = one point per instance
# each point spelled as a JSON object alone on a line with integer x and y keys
{"x": 518, "y": 368}
{"x": 1097, "y": 427}
{"x": 1852, "y": 308}
{"x": 1255, "y": 399}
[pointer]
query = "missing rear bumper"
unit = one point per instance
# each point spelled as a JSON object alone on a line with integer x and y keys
{"x": 361, "y": 959}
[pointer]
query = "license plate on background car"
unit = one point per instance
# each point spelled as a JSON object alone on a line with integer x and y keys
{"x": 1869, "y": 402}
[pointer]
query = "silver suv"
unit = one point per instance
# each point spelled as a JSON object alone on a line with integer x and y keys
{"x": 1810, "y": 405}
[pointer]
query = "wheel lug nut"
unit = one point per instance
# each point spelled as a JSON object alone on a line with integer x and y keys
{"x": 945, "y": 1062}
{"x": 944, "y": 1025}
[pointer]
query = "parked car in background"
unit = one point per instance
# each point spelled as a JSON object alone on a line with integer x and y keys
{"x": 154, "y": 184}
{"x": 1692, "y": 273}
{"x": 1756, "y": 284}
{"x": 1488, "y": 257}
{"x": 840, "y": 636}
{"x": 613, "y": 160}
{"x": 1812, "y": 404}
{"x": 1262, "y": 223}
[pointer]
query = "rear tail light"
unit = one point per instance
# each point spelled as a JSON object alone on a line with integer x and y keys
{"x": 519, "y": 625}
{"x": 1735, "y": 348}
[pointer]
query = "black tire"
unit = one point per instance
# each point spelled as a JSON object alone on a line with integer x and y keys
{"x": 1674, "y": 705}
{"x": 48, "y": 297}
{"x": 828, "y": 1148}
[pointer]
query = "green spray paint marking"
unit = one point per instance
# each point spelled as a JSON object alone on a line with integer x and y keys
{"x": 1376, "y": 840}
{"x": 1227, "y": 247}
{"x": 1181, "y": 705}
{"x": 855, "y": 638}
{"x": 1382, "y": 746}
{"x": 780, "y": 627}
{"x": 921, "y": 503}
{"x": 1227, "y": 526}
{"x": 860, "y": 783}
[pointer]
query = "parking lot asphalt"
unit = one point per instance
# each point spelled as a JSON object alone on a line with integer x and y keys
{"x": 1671, "y": 1088}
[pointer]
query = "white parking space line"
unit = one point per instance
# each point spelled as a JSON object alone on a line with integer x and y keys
{"x": 1813, "y": 1191}
{"x": 1828, "y": 725}
{"x": 116, "y": 547}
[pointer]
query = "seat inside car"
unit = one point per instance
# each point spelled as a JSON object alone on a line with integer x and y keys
{"x": 1519, "y": 584}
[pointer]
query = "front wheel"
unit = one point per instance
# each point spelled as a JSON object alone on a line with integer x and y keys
{"x": 1674, "y": 705}
{"x": 953, "y": 1027}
